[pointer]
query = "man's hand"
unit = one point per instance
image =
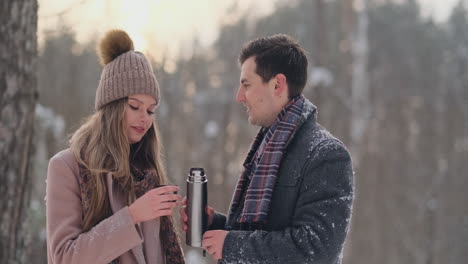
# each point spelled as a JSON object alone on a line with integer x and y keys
{"x": 184, "y": 218}
{"x": 213, "y": 242}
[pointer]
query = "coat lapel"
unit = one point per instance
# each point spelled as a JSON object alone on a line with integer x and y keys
{"x": 117, "y": 202}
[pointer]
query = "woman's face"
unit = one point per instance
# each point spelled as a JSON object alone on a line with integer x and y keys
{"x": 139, "y": 113}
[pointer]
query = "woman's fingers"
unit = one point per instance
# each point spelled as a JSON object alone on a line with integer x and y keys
{"x": 164, "y": 212}
{"x": 167, "y": 198}
{"x": 155, "y": 203}
{"x": 171, "y": 197}
{"x": 167, "y": 189}
{"x": 164, "y": 206}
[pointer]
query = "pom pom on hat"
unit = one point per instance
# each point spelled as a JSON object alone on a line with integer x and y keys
{"x": 125, "y": 72}
{"x": 115, "y": 43}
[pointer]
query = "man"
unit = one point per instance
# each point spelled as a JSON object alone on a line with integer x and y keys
{"x": 293, "y": 200}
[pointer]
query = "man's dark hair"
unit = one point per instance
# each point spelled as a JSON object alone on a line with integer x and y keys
{"x": 278, "y": 54}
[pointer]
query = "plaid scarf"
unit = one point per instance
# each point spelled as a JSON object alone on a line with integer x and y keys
{"x": 144, "y": 181}
{"x": 262, "y": 164}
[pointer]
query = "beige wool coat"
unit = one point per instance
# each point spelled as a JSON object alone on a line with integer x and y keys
{"x": 114, "y": 237}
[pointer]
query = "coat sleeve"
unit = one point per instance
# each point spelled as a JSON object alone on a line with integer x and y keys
{"x": 66, "y": 243}
{"x": 321, "y": 217}
{"x": 219, "y": 221}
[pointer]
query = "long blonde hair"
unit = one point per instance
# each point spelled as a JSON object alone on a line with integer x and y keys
{"x": 101, "y": 146}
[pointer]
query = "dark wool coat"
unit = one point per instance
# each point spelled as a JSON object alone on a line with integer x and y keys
{"x": 310, "y": 211}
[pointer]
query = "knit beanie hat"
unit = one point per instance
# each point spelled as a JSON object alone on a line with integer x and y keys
{"x": 126, "y": 72}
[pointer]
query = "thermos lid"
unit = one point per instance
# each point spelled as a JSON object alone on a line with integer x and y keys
{"x": 197, "y": 175}
{"x": 200, "y": 171}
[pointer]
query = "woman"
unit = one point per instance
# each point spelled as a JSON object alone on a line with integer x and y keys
{"x": 103, "y": 204}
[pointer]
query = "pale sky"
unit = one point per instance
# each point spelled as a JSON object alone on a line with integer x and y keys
{"x": 165, "y": 26}
{"x": 440, "y": 9}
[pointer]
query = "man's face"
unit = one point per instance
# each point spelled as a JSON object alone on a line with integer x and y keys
{"x": 256, "y": 95}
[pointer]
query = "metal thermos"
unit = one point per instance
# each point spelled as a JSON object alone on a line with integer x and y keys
{"x": 197, "y": 195}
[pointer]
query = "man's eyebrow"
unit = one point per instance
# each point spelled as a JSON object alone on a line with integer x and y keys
{"x": 243, "y": 80}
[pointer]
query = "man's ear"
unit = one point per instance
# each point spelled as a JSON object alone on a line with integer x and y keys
{"x": 281, "y": 86}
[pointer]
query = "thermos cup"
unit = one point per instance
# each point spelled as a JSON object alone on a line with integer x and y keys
{"x": 197, "y": 195}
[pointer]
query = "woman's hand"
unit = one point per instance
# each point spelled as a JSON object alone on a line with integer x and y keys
{"x": 155, "y": 203}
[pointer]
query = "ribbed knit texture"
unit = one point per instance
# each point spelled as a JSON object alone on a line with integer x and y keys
{"x": 128, "y": 74}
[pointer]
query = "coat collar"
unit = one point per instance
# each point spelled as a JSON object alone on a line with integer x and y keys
{"x": 309, "y": 112}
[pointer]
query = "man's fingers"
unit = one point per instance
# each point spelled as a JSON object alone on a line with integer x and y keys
{"x": 184, "y": 224}
{"x": 207, "y": 235}
{"x": 212, "y": 251}
{"x": 208, "y": 245}
{"x": 206, "y": 241}
{"x": 215, "y": 254}
{"x": 204, "y": 244}
{"x": 183, "y": 214}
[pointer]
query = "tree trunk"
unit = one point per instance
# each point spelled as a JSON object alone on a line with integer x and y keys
{"x": 18, "y": 95}
{"x": 360, "y": 93}
{"x": 356, "y": 22}
{"x": 320, "y": 34}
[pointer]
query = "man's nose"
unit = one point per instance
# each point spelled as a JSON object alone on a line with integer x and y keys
{"x": 240, "y": 98}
